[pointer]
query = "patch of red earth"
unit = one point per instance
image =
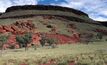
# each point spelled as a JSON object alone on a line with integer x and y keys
{"x": 23, "y": 64}
{"x": 71, "y": 63}
{"x": 12, "y": 39}
{"x": 11, "y": 42}
{"x": 2, "y": 30}
{"x": 101, "y": 30}
{"x": 36, "y": 38}
{"x": 63, "y": 39}
{"x": 7, "y": 28}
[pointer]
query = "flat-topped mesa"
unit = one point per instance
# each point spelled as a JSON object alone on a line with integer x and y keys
{"x": 27, "y": 11}
{"x": 45, "y": 7}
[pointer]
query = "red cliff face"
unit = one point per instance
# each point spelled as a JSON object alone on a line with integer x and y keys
{"x": 64, "y": 39}
{"x": 21, "y": 27}
{"x": 17, "y": 28}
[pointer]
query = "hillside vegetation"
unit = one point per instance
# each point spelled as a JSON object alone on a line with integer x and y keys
{"x": 51, "y": 35}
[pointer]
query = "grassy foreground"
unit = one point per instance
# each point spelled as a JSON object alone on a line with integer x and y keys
{"x": 79, "y": 54}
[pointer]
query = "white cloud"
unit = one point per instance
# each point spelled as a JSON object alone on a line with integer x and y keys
{"x": 4, "y": 4}
{"x": 23, "y": 2}
{"x": 100, "y": 18}
{"x": 104, "y": 12}
{"x": 96, "y": 7}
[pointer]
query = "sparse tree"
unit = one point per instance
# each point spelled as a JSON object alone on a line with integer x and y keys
{"x": 20, "y": 40}
{"x": 52, "y": 42}
{"x": 24, "y": 40}
{"x": 43, "y": 39}
{"x": 27, "y": 39}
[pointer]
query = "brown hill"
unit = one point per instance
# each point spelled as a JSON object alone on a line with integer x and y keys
{"x": 64, "y": 24}
{"x": 103, "y": 23}
{"x": 45, "y": 7}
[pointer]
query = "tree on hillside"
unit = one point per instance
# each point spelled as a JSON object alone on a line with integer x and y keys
{"x": 24, "y": 40}
{"x": 43, "y": 39}
{"x": 27, "y": 39}
{"x": 20, "y": 40}
{"x": 52, "y": 42}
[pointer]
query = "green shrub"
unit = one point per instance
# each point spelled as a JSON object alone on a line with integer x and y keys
{"x": 20, "y": 40}
{"x": 24, "y": 40}
{"x": 43, "y": 40}
{"x": 52, "y": 42}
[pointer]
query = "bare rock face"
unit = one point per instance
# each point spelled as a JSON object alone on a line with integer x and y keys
{"x": 19, "y": 27}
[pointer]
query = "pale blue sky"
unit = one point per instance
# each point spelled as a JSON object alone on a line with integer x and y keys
{"x": 96, "y": 9}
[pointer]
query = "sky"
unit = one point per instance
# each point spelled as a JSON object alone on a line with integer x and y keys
{"x": 96, "y": 9}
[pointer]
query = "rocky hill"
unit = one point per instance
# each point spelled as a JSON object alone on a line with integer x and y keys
{"x": 103, "y": 23}
{"x": 46, "y": 7}
{"x": 31, "y": 10}
{"x": 65, "y": 24}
